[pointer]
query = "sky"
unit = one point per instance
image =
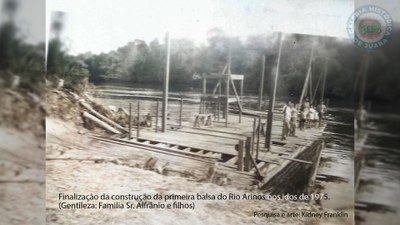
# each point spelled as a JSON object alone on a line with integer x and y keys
{"x": 104, "y": 25}
{"x": 30, "y": 19}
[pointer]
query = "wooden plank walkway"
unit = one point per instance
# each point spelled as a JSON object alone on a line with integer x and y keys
{"x": 219, "y": 141}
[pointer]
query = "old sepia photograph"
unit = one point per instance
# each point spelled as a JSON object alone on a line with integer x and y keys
{"x": 199, "y": 112}
{"x": 221, "y": 112}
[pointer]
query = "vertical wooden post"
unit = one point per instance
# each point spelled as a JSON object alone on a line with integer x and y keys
{"x": 247, "y": 157}
{"x": 240, "y": 116}
{"x": 241, "y": 92}
{"x": 166, "y": 86}
{"x": 253, "y": 137}
{"x": 241, "y": 100}
{"x": 138, "y": 121}
{"x": 324, "y": 81}
{"x": 227, "y": 101}
{"x": 261, "y": 90}
{"x": 310, "y": 87}
{"x": 203, "y": 110}
{"x": 219, "y": 99}
{"x": 272, "y": 97}
{"x": 303, "y": 92}
{"x": 227, "y": 85}
{"x": 240, "y": 155}
{"x": 157, "y": 108}
{"x": 364, "y": 80}
{"x": 130, "y": 122}
{"x": 180, "y": 112}
{"x": 258, "y": 136}
{"x": 218, "y": 108}
{"x": 200, "y": 105}
{"x": 215, "y": 109}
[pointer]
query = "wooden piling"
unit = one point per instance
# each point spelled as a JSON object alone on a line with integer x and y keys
{"x": 138, "y": 121}
{"x": 157, "y": 107}
{"x": 166, "y": 85}
{"x": 130, "y": 122}
{"x": 219, "y": 99}
{"x": 218, "y": 109}
{"x": 240, "y": 155}
{"x": 258, "y": 136}
{"x": 253, "y": 136}
{"x": 261, "y": 90}
{"x": 324, "y": 81}
{"x": 226, "y": 109}
{"x": 247, "y": 157}
{"x": 180, "y": 112}
{"x": 272, "y": 98}
{"x": 240, "y": 116}
{"x": 241, "y": 101}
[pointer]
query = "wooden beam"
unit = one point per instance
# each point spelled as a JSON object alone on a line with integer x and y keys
{"x": 164, "y": 150}
{"x": 203, "y": 107}
{"x": 296, "y": 160}
{"x": 130, "y": 121}
{"x": 247, "y": 160}
{"x": 236, "y": 94}
{"x": 180, "y": 112}
{"x": 272, "y": 97}
{"x": 255, "y": 166}
{"x": 321, "y": 98}
{"x": 317, "y": 86}
{"x": 261, "y": 90}
{"x": 253, "y": 135}
{"x": 98, "y": 115}
{"x": 157, "y": 108}
{"x": 237, "y": 76}
{"x": 240, "y": 155}
{"x": 100, "y": 123}
{"x": 138, "y": 121}
{"x": 166, "y": 85}
{"x": 307, "y": 77}
{"x": 227, "y": 102}
{"x": 216, "y": 87}
{"x": 258, "y": 136}
{"x": 224, "y": 76}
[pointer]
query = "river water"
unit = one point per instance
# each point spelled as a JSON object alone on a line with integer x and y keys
{"x": 379, "y": 188}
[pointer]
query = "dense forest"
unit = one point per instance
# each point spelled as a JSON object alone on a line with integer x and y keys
{"x": 139, "y": 62}
{"x": 142, "y": 63}
{"x": 17, "y": 57}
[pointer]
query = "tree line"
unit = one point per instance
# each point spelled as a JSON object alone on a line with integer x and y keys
{"x": 17, "y": 57}
{"x": 141, "y": 62}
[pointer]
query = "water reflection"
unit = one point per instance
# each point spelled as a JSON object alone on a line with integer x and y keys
{"x": 378, "y": 195}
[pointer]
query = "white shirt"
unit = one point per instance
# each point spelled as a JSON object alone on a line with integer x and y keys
{"x": 287, "y": 113}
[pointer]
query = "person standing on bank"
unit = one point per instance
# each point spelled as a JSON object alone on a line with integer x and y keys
{"x": 287, "y": 114}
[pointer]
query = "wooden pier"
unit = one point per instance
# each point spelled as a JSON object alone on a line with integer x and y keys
{"x": 237, "y": 151}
